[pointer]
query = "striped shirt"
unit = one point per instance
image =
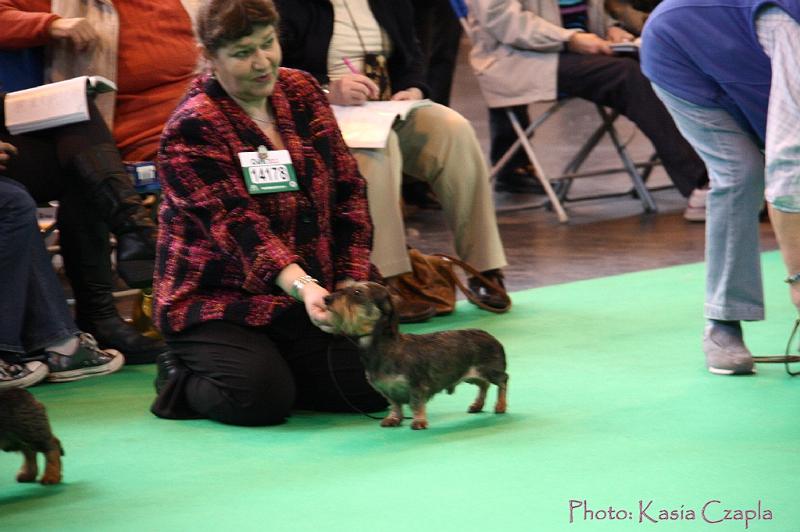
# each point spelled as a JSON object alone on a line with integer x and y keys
{"x": 779, "y": 35}
{"x": 574, "y": 14}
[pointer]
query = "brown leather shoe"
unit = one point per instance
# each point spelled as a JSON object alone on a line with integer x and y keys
{"x": 486, "y": 296}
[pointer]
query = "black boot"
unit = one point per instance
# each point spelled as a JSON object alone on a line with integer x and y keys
{"x": 116, "y": 333}
{"x": 87, "y": 262}
{"x": 110, "y": 191}
{"x": 167, "y": 366}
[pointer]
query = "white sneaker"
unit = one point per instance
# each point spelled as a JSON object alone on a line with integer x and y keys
{"x": 696, "y": 208}
{"x": 21, "y": 375}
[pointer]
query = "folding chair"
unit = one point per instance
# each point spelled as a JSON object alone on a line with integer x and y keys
{"x": 559, "y": 195}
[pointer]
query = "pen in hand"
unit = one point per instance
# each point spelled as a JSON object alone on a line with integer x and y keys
{"x": 358, "y": 89}
{"x": 349, "y": 65}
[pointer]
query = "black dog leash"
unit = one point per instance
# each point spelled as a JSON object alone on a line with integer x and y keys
{"x": 786, "y": 359}
{"x": 339, "y": 388}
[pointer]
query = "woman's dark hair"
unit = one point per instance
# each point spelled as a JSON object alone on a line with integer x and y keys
{"x": 220, "y": 22}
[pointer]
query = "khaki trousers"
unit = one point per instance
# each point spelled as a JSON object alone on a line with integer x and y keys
{"x": 437, "y": 145}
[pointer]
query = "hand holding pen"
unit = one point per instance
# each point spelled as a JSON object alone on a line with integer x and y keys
{"x": 353, "y": 88}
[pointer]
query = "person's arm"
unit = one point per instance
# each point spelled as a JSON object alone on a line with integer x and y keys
{"x": 201, "y": 176}
{"x": 406, "y": 64}
{"x": 25, "y": 23}
{"x": 780, "y": 37}
{"x": 787, "y": 232}
{"x": 350, "y": 224}
{"x": 511, "y": 24}
{"x": 29, "y": 23}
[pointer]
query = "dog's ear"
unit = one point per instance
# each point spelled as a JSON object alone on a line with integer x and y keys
{"x": 385, "y": 300}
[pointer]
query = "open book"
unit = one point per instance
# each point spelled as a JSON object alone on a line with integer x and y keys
{"x": 368, "y": 125}
{"x": 52, "y": 105}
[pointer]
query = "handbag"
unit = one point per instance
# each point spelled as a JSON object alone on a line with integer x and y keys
{"x": 433, "y": 280}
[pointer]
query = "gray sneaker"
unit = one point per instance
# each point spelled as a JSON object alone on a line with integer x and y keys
{"x": 21, "y": 375}
{"x": 726, "y": 353}
{"x": 87, "y": 361}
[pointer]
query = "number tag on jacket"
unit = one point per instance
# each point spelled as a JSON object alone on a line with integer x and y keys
{"x": 267, "y": 172}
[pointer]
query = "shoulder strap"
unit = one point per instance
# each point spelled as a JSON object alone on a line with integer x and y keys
{"x": 487, "y": 283}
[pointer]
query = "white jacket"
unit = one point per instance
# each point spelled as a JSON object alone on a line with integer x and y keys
{"x": 515, "y": 47}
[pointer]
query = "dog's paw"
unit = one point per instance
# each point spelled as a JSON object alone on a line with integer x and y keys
{"x": 391, "y": 421}
{"x": 500, "y": 407}
{"x": 474, "y": 408}
{"x": 419, "y": 424}
{"x": 25, "y": 476}
{"x": 50, "y": 478}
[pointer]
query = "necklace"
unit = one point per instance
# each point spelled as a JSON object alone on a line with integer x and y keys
{"x": 263, "y": 121}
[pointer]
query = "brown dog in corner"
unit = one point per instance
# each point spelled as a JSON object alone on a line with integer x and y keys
{"x": 24, "y": 427}
{"x": 411, "y": 368}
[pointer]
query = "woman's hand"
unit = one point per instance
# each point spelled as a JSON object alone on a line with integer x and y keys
{"x": 313, "y": 296}
{"x": 412, "y": 93}
{"x": 616, "y": 34}
{"x": 588, "y": 44}
{"x": 352, "y": 89}
{"x": 6, "y": 151}
{"x": 77, "y": 30}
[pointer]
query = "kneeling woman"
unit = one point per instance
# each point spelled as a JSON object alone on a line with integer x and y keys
{"x": 263, "y": 213}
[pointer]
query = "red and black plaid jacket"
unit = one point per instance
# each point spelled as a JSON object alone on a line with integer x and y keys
{"x": 219, "y": 248}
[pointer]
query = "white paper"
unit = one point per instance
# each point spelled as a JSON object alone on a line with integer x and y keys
{"x": 368, "y": 125}
{"x": 52, "y": 105}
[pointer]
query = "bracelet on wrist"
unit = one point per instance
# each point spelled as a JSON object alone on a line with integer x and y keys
{"x": 299, "y": 283}
{"x": 792, "y": 279}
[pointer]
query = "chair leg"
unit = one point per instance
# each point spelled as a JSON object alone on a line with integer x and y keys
{"x": 577, "y": 161}
{"x": 639, "y": 185}
{"x": 514, "y": 148}
{"x": 540, "y": 173}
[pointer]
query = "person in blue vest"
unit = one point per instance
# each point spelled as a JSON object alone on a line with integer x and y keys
{"x": 729, "y": 74}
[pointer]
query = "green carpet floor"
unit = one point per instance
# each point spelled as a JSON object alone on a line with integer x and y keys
{"x": 609, "y": 403}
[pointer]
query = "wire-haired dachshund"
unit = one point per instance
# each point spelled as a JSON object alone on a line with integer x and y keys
{"x": 24, "y": 427}
{"x": 411, "y": 368}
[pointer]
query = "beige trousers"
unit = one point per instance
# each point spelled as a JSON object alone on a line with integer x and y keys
{"x": 437, "y": 145}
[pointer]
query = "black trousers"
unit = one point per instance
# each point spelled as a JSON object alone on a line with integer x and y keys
{"x": 615, "y": 82}
{"x": 44, "y": 166}
{"x": 256, "y": 376}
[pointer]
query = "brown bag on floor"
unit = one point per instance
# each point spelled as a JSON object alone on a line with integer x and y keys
{"x": 433, "y": 279}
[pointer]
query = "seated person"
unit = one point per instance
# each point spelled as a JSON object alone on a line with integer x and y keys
{"x": 565, "y": 50}
{"x": 242, "y": 273}
{"x": 38, "y": 339}
{"x": 739, "y": 107}
{"x": 434, "y": 144}
{"x": 149, "y": 50}
{"x": 78, "y": 165}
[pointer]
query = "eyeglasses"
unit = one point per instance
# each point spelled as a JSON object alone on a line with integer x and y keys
{"x": 786, "y": 359}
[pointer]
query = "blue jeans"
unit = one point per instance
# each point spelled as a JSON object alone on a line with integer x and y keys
{"x": 735, "y": 162}
{"x": 33, "y": 308}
